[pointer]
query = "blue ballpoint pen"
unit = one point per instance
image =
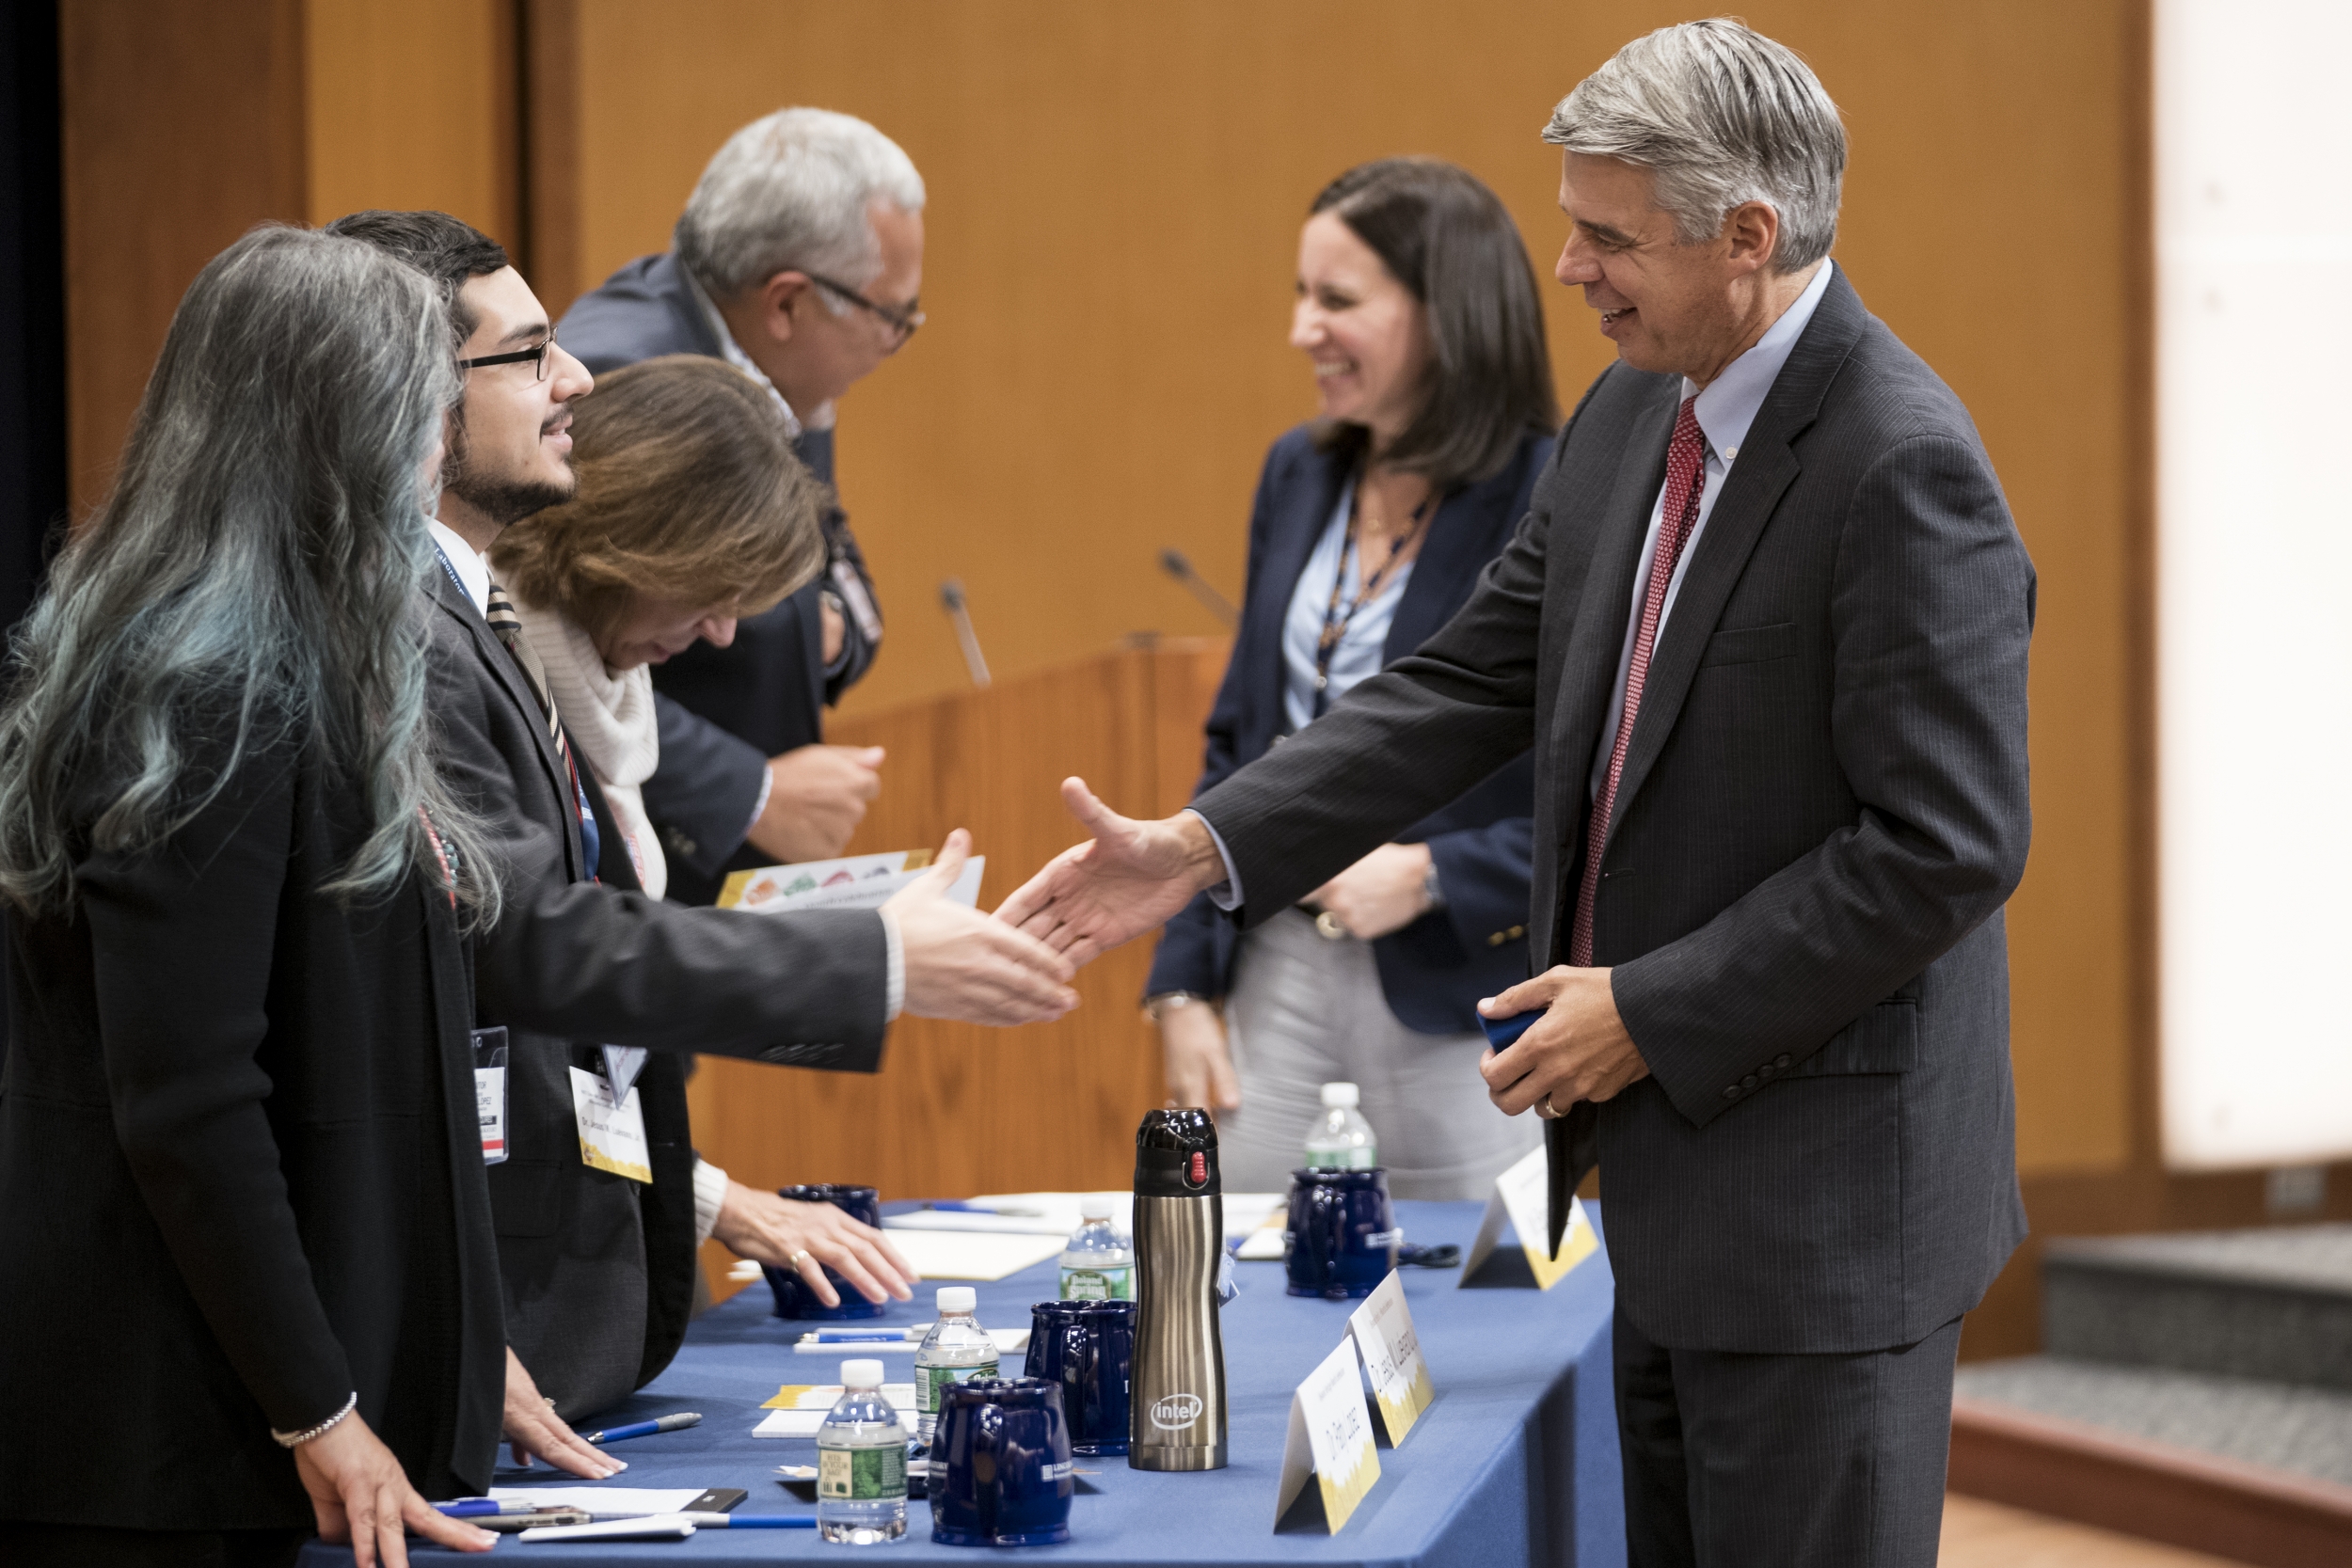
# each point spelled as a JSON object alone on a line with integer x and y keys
{"x": 644, "y": 1429}
{"x": 860, "y": 1335}
{"x": 477, "y": 1507}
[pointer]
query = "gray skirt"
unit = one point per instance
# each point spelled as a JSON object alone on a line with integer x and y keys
{"x": 1305, "y": 1011}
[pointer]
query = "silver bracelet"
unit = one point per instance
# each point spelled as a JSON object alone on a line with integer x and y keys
{"x": 296, "y": 1439}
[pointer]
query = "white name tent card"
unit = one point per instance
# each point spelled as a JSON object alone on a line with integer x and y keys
{"x": 1383, "y": 1327}
{"x": 1329, "y": 1437}
{"x": 1522, "y": 1197}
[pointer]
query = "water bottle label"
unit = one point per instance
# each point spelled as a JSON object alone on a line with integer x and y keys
{"x": 1356, "y": 1158}
{"x": 930, "y": 1380}
{"x": 1098, "y": 1284}
{"x": 863, "y": 1474}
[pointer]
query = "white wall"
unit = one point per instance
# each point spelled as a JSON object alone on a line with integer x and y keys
{"x": 2255, "y": 331}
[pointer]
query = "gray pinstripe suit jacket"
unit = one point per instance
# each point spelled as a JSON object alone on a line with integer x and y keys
{"x": 1821, "y": 813}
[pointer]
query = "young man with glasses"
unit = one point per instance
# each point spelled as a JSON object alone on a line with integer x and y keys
{"x": 799, "y": 261}
{"x": 598, "y": 1259}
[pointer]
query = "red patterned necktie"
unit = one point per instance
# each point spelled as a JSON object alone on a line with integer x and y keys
{"x": 1686, "y": 457}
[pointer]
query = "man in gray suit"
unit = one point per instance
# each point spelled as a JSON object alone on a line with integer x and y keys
{"x": 1765, "y": 626}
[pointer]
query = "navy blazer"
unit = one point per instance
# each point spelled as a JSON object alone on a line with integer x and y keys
{"x": 1434, "y": 971}
{"x": 723, "y": 712}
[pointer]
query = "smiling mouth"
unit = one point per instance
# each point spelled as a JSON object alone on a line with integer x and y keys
{"x": 1611, "y": 318}
{"x": 1325, "y": 369}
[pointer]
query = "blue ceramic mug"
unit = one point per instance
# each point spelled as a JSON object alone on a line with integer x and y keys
{"x": 1000, "y": 1464}
{"x": 794, "y": 1299}
{"x": 1088, "y": 1349}
{"x": 1342, "y": 1236}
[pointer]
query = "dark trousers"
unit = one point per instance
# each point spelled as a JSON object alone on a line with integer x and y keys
{"x": 1747, "y": 1461}
{"x": 27, "y": 1545}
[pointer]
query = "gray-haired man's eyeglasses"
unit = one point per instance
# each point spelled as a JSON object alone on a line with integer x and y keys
{"x": 901, "y": 322}
{"x": 538, "y": 355}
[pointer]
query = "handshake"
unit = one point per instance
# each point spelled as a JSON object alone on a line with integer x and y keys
{"x": 1015, "y": 966}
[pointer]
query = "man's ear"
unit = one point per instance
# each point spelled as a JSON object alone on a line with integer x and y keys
{"x": 1754, "y": 230}
{"x": 779, "y": 298}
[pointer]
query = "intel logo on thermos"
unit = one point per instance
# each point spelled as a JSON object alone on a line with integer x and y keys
{"x": 1176, "y": 1412}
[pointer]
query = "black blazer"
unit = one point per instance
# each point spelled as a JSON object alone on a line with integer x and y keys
{"x": 239, "y": 1176}
{"x": 724, "y": 711}
{"x": 1434, "y": 971}
{"x": 1823, "y": 809}
{"x": 600, "y": 1269}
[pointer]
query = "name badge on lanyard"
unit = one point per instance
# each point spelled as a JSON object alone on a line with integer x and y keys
{"x": 612, "y": 1127}
{"x": 489, "y": 1092}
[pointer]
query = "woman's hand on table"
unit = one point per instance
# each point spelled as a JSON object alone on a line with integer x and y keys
{"x": 1386, "y": 890}
{"x": 811, "y": 1237}
{"x": 537, "y": 1432}
{"x": 1200, "y": 1065}
{"x": 363, "y": 1499}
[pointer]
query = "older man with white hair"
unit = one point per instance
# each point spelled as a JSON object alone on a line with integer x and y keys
{"x": 798, "y": 260}
{"x": 1765, "y": 626}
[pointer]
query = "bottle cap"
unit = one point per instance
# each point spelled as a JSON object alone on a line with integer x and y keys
{"x": 1339, "y": 1096}
{"x": 1094, "y": 1206}
{"x": 957, "y": 1298}
{"x": 861, "y": 1374}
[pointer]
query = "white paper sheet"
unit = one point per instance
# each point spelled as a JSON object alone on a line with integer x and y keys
{"x": 636, "y": 1501}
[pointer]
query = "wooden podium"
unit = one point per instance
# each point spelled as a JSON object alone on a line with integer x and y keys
{"x": 958, "y": 1109}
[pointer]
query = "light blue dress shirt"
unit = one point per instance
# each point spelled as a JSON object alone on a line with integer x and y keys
{"x": 1725, "y": 410}
{"x": 1359, "y": 653}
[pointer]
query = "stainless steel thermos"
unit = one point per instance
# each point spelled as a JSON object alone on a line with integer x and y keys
{"x": 1177, "y": 1416}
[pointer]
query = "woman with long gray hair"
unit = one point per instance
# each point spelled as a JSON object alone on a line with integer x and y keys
{"x": 246, "y": 1256}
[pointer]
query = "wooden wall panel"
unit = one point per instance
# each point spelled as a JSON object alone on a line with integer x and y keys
{"x": 182, "y": 129}
{"x": 412, "y": 103}
{"x": 1115, "y": 193}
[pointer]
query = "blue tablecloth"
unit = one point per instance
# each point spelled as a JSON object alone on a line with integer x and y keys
{"x": 1516, "y": 1463}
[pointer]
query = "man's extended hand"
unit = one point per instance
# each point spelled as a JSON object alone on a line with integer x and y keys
{"x": 961, "y": 963}
{"x": 1125, "y": 881}
{"x": 816, "y": 797}
{"x": 767, "y": 1228}
{"x": 1578, "y": 1049}
{"x": 1386, "y": 890}
{"x": 537, "y": 1432}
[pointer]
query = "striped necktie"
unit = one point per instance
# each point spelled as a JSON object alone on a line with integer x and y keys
{"x": 1678, "y": 516}
{"x": 507, "y": 626}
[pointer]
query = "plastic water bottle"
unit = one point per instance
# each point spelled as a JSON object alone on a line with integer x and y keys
{"x": 957, "y": 1349}
{"x": 1343, "y": 1140}
{"x": 862, "y": 1463}
{"x": 1098, "y": 1264}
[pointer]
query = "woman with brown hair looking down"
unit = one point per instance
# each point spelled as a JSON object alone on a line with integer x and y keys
{"x": 692, "y": 513}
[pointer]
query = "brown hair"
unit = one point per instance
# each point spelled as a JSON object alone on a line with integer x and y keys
{"x": 689, "y": 491}
{"x": 1446, "y": 237}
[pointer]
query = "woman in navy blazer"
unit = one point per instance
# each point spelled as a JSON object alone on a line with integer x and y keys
{"x": 1370, "y": 526}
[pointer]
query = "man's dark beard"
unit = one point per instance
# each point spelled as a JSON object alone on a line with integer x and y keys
{"x": 503, "y": 500}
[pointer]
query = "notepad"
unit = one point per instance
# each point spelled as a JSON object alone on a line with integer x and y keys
{"x": 633, "y": 1501}
{"x": 799, "y": 1408}
{"x": 963, "y": 1254}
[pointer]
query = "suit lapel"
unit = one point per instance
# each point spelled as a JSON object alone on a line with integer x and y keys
{"x": 1597, "y": 634}
{"x": 500, "y": 664}
{"x": 1461, "y": 542}
{"x": 1766, "y": 467}
{"x": 1292, "y": 541}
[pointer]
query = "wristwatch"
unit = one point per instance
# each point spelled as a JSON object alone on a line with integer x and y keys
{"x": 1158, "y": 1005}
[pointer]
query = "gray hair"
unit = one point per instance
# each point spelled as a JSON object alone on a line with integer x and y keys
{"x": 792, "y": 190}
{"x": 1722, "y": 115}
{"x": 250, "y": 589}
